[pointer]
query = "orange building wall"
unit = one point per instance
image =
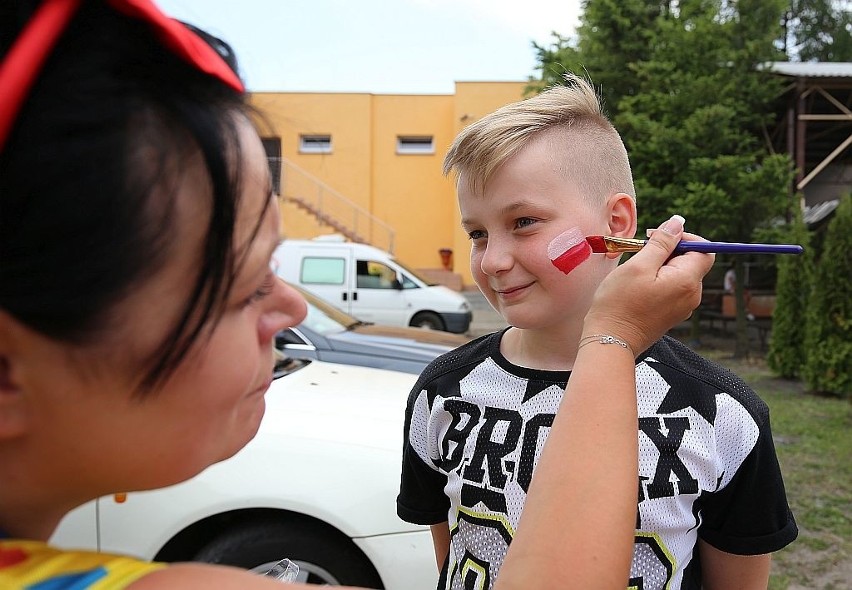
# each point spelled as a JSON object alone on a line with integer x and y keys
{"x": 409, "y": 191}
{"x": 405, "y": 191}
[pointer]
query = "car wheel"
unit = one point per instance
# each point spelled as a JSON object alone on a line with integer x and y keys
{"x": 428, "y": 320}
{"x": 324, "y": 557}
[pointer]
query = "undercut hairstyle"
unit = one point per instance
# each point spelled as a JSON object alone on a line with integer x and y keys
{"x": 89, "y": 179}
{"x": 587, "y": 149}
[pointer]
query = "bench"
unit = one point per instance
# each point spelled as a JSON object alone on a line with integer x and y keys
{"x": 761, "y": 326}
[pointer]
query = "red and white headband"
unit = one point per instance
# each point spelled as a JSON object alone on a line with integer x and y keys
{"x": 22, "y": 64}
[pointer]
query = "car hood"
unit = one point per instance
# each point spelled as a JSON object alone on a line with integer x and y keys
{"x": 334, "y": 403}
{"x": 400, "y": 343}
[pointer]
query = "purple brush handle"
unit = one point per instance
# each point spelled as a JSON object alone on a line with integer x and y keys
{"x": 738, "y": 248}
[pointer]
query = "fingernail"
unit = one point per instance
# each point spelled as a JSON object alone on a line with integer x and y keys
{"x": 674, "y": 225}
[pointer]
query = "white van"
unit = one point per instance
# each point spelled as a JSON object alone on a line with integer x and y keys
{"x": 370, "y": 284}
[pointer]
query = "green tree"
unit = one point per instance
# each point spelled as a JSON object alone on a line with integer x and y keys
{"x": 684, "y": 84}
{"x": 612, "y": 35}
{"x": 694, "y": 127}
{"x": 828, "y": 340}
{"x": 786, "y": 354}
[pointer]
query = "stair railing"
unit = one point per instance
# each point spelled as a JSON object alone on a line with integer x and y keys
{"x": 329, "y": 206}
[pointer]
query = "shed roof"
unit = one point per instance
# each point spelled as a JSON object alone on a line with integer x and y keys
{"x": 821, "y": 69}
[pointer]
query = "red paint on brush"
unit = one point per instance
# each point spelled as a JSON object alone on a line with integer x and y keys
{"x": 597, "y": 244}
{"x": 568, "y": 250}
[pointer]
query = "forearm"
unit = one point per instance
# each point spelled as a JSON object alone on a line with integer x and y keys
{"x": 440, "y": 542}
{"x": 726, "y": 571}
{"x": 577, "y": 527}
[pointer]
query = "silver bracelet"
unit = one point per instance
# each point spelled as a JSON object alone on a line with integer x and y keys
{"x": 605, "y": 339}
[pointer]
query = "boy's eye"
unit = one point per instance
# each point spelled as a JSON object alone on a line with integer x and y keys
{"x": 476, "y": 234}
{"x": 524, "y": 222}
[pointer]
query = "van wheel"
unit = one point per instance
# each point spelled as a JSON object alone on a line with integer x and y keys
{"x": 428, "y": 320}
{"x": 324, "y": 557}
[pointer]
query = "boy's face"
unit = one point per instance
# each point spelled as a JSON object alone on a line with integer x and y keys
{"x": 526, "y": 204}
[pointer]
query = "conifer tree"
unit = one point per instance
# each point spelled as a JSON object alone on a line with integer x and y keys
{"x": 787, "y": 343}
{"x": 828, "y": 341}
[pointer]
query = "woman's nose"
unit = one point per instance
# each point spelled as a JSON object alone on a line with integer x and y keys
{"x": 287, "y": 308}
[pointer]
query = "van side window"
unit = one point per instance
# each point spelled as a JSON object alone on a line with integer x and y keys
{"x": 374, "y": 275}
{"x": 323, "y": 271}
{"x": 407, "y": 283}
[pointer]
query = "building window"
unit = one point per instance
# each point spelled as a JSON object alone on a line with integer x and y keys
{"x": 315, "y": 144}
{"x": 415, "y": 144}
{"x": 272, "y": 147}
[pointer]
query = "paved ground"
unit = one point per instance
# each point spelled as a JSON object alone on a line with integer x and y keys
{"x": 485, "y": 319}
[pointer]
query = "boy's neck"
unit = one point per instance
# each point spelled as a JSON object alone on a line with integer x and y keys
{"x": 536, "y": 349}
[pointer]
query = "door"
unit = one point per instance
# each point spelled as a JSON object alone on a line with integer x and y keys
{"x": 378, "y": 295}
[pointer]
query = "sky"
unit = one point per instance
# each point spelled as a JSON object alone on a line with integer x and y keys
{"x": 380, "y": 46}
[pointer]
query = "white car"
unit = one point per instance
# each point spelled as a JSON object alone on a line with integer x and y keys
{"x": 318, "y": 485}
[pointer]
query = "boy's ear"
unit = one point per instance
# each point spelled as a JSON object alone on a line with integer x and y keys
{"x": 14, "y": 402}
{"x": 622, "y": 217}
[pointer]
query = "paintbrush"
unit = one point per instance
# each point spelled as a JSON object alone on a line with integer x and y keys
{"x": 604, "y": 244}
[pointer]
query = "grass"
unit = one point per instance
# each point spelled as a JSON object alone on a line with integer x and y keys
{"x": 813, "y": 439}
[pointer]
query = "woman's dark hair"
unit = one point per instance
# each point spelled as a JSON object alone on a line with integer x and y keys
{"x": 89, "y": 178}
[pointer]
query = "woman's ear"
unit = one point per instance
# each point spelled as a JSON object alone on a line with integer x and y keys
{"x": 13, "y": 399}
{"x": 621, "y": 209}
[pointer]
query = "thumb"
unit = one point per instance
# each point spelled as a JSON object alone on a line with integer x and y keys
{"x": 662, "y": 242}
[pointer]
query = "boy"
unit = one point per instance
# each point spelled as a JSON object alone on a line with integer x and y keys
{"x": 711, "y": 500}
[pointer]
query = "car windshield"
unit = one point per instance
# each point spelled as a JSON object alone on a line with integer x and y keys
{"x": 323, "y": 317}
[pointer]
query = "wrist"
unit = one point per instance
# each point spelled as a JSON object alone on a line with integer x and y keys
{"x": 629, "y": 331}
{"x": 606, "y": 339}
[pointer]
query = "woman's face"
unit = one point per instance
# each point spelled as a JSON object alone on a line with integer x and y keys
{"x": 212, "y": 404}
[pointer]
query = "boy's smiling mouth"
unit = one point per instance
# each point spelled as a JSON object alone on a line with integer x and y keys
{"x": 512, "y": 290}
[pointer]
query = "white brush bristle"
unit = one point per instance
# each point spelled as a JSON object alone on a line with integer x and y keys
{"x": 564, "y": 242}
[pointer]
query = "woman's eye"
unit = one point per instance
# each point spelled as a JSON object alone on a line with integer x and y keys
{"x": 476, "y": 234}
{"x": 263, "y": 290}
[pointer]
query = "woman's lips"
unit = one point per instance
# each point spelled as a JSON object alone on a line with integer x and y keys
{"x": 263, "y": 387}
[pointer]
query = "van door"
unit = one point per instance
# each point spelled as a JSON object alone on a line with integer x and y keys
{"x": 378, "y": 295}
{"x": 327, "y": 273}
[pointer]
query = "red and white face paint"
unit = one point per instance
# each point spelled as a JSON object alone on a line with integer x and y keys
{"x": 569, "y": 250}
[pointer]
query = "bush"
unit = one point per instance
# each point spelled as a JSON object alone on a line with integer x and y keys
{"x": 828, "y": 341}
{"x": 787, "y": 344}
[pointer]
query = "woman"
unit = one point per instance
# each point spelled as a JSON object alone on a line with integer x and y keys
{"x": 138, "y": 306}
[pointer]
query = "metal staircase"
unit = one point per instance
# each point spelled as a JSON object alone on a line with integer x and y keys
{"x": 328, "y": 206}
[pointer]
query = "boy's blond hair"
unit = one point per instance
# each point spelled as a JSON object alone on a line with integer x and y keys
{"x": 587, "y": 148}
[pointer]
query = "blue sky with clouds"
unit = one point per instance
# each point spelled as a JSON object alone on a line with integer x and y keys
{"x": 380, "y": 46}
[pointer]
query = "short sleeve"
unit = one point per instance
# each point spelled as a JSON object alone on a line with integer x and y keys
{"x": 421, "y": 497}
{"x": 750, "y": 515}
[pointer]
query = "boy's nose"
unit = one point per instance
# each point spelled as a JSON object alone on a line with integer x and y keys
{"x": 497, "y": 258}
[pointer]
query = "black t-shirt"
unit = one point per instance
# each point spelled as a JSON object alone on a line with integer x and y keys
{"x": 475, "y": 426}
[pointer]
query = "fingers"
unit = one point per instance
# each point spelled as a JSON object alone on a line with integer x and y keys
{"x": 662, "y": 243}
{"x": 664, "y": 289}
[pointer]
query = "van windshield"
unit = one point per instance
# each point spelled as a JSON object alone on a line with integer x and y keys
{"x": 412, "y": 273}
{"x": 323, "y": 317}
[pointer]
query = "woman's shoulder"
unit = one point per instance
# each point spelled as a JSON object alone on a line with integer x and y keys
{"x": 30, "y": 564}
